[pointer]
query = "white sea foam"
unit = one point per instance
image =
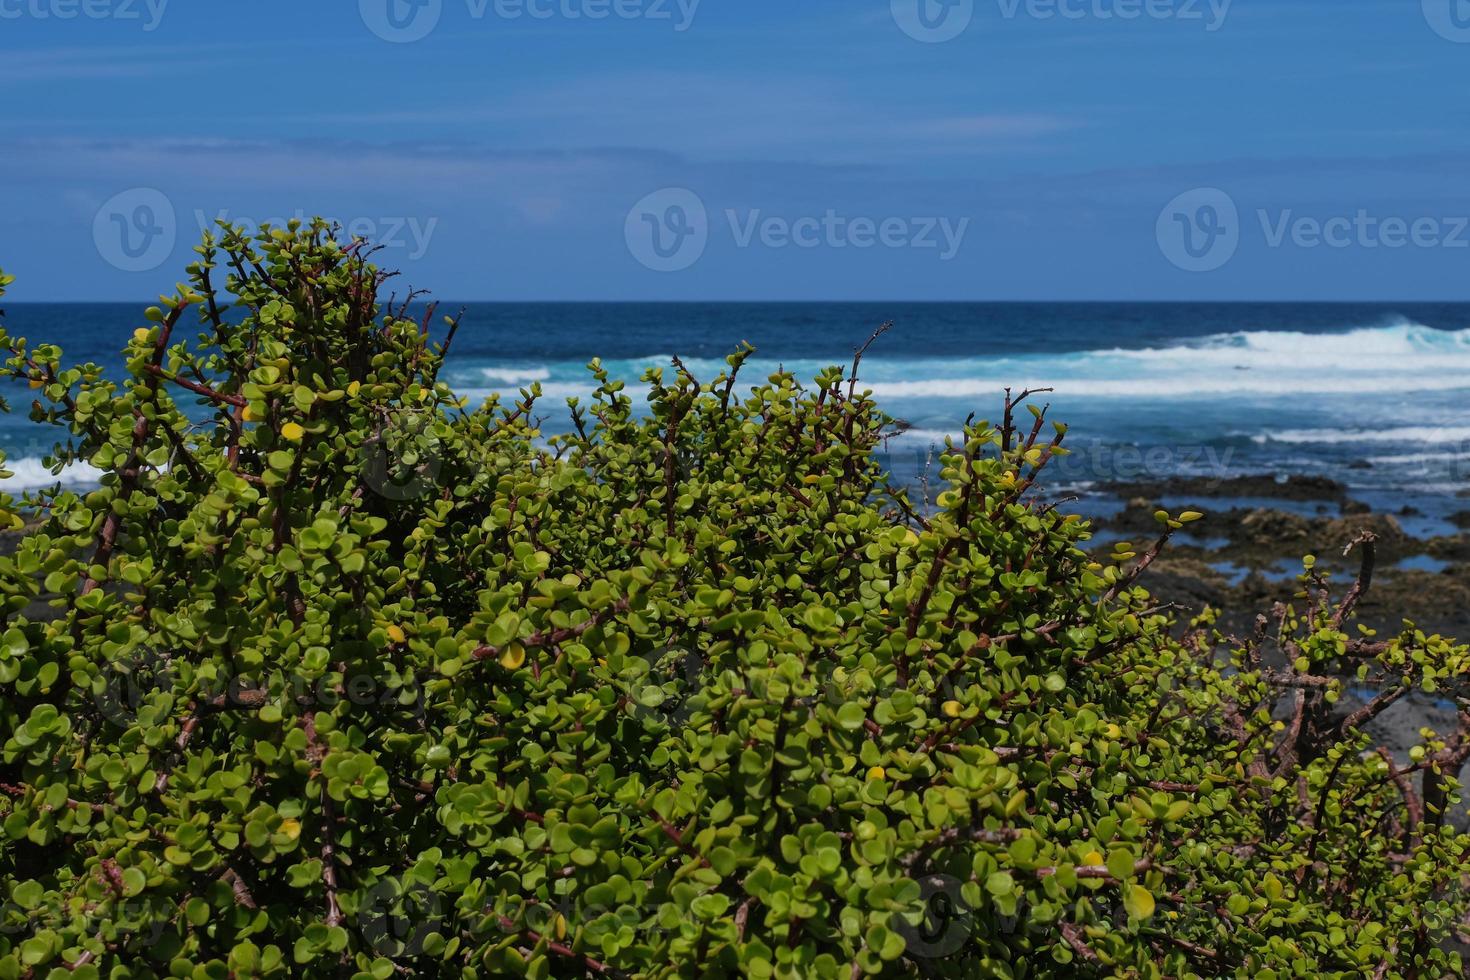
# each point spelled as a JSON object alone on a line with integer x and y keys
{"x": 1421, "y": 434}
{"x": 1413, "y": 458}
{"x": 553, "y": 393}
{"x": 1399, "y": 357}
{"x": 515, "y": 375}
{"x": 32, "y": 474}
{"x": 936, "y": 436}
{"x": 1258, "y": 369}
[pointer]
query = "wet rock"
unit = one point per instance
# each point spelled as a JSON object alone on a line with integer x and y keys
{"x": 1455, "y": 549}
{"x": 1437, "y": 603}
{"x": 1188, "y": 582}
{"x": 1273, "y": 528}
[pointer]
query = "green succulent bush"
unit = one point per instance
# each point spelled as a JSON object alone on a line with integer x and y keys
{"x": 335, "y": 675}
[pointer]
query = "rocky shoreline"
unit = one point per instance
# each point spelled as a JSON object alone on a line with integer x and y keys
{"x": 1246, "y": 555}
{"x": 1247, "y": 552}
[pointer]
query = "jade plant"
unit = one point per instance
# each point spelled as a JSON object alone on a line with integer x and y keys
{"x": 337, "y": 675}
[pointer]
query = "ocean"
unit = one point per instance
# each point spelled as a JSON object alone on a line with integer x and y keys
{"x": 1376, "y": 396}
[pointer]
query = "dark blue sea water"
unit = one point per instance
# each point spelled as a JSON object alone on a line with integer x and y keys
{"x": 1375, "y": 395}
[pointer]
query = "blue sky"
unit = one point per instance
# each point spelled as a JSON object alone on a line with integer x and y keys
{"x": 531, "y": 149}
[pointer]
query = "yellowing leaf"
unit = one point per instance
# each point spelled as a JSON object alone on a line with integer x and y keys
{"x": 1138, "y": 901}
{"x": 877, "y": 772}
{"x": 292, "y": 431}
{"x": 395, "y": 633}
{"x": 513, "y": 657}
{"x": 291, "y": 828}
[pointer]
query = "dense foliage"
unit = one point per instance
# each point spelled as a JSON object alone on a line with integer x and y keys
{"x": 335, "y": 675}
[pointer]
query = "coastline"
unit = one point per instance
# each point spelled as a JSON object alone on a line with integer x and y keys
{"x": 1249, "y": 547}
{"x": 1246, "y": 555}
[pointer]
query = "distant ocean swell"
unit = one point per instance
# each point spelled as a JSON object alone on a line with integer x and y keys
{"x": 1367, "y": 361}
{"x": 1360, "y": 405}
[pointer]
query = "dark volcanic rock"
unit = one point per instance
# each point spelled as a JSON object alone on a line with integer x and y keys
{"x": 1188, "y": 582}
{"x": 1262, "y": 485}
{"x": 1274, "y": 529}
{"x": 1455, "y": 549}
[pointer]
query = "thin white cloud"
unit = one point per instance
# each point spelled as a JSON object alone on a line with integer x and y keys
{"x": 79, "y": 63}
{"x": 712, "y": 116}
{"x": 998, "y": 126}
